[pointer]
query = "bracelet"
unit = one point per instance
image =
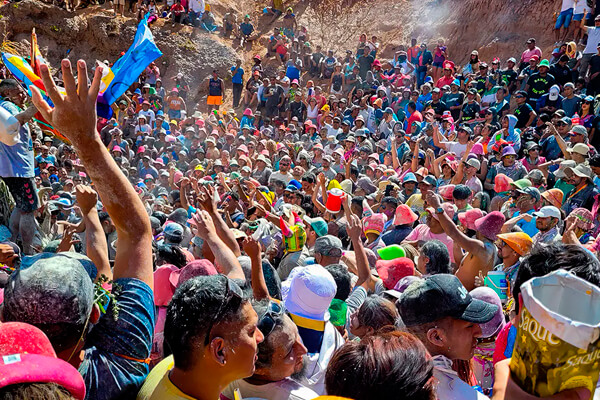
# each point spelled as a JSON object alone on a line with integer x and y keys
{"x": 267, "y": 214}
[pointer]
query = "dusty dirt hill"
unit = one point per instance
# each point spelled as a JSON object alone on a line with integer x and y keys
{"x": 494, "y": 27}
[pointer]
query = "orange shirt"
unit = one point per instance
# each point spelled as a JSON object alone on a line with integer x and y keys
{"x": 175, "y": 102}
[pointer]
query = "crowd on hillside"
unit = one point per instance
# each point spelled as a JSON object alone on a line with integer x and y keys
{"x": 339, "y": 231}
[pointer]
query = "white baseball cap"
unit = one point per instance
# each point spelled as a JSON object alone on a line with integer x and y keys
{"x": 548, "y": 211}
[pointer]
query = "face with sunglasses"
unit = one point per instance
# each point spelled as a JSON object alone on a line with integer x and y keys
{"x": 281, "y": 354}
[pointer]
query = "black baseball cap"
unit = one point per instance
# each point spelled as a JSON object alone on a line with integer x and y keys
{"x": 440, "y": 296}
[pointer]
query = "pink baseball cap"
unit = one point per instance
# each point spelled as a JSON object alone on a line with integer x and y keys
{"x": 117, "y": 148}
{"x": 27, "y": 356}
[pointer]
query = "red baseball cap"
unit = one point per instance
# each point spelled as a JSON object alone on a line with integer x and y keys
{"x": 27, "y": 356}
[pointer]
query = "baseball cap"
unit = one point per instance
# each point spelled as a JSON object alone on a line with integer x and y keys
{"x": 173, "y": 232}
{"x": 531, "y": 191}
{"x": 329, "y": 246}
{"x": 579, "y": 148}
{"x": 27, "y": 356}
{"x": 579, "y": 130}
{"x": 521, "y": 184}
{"x": 548, "y": 211}
{"x": 192, "y": 269}
{"x": 51, "y": 289}
{"x": 554, "y": 91}
{"x": 440, "y": 296}
{"x": 318, "y": 225}
{"x": 310, "y": 291}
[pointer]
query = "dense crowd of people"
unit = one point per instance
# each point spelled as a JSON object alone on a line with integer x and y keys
{"x": 334, "y": 233}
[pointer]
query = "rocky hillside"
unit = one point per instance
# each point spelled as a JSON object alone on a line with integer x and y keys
{"x": 95, "y": 34}
{"x": 494, "y": 27}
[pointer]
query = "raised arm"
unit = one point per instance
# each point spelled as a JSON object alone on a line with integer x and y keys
{"x": 95, "y": 241}
{"x": 465, "y": 242}
{"x": 206, "y": 199}
{"x": 225, "y": 260}
{"x": 259, "y": 286}
{"x": 561, "y": 143}
{"x": 395, "y": 161}
{"x": 74, "y": 115}
{"x": 354, "y": 228}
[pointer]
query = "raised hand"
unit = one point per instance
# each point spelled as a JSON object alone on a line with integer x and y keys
{"x": 251, "y": 247}
{"x": 7, "y": 254}
{"x": 74, "y": 113}
{"x": 203, "y": 224}
{"x": 87, "y": 198}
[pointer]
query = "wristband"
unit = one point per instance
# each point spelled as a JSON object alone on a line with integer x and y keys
{"x": 267, "y": 214}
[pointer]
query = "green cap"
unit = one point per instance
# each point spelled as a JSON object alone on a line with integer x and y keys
{"x": 522, "y": 183}
{"x": 338, "y": 310}
{"x": 318, "y": 225}
{"x": 544, "y": 63}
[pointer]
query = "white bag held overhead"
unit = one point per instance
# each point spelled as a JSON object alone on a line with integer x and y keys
{"x": 9, "y": 128}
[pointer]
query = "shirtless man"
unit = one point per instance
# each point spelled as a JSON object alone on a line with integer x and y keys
{"x": 480, "y": 251}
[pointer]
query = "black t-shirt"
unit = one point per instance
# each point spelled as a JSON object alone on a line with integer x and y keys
{"x": 364, "y": 65}
{"x": 539, "y": 85}
{"x": 561, "y": 74}
{"x": 454, "y": 99}
{"x": 470, "y": 110}
{"x": 522, "y": 113}
{"x": 481, "y": 81}
{"x": 509, "y": 76}
{"x": 594, "y": 64}
{"x": 276, "y": 92}
{"x": 438, "y": 107}
{"x": 297, "y": 109}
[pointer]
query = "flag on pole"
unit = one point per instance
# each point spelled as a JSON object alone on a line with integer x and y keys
{"x": 23, "y": 72}
{"x": 128, "y": 68}
{"x": 36, "y": 56}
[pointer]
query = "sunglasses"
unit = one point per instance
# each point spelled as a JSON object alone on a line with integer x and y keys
{"x": 267, "y": 321}
{"x": 284, "y": 164}
{"x": 519, "y": 97}
{"x": 232, "y": 291}
{"x": 561, "y": 124}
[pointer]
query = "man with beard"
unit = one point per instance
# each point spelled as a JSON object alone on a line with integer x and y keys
{"x": 584, "y": 192}
{"x": 547, "y": 221}
{"x": 284, "y": 171}
{"x": 449, "y": 329}
{"x": 280, "y": 359}
{"x": 524, "y": 218}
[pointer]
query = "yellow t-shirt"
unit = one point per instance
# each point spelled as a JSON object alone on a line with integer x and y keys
{"x": 158, "y": 385}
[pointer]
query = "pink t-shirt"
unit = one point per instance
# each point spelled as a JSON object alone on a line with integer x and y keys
{"x": 527, "y": 54}
{"x": 422, "y": 232}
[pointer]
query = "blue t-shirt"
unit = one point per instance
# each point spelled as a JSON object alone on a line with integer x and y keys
{"x": 527, "y": 227}
{"x": 239, "y": 75}
{"x": 17, "y": 161}
{"x": 116, "y": 352}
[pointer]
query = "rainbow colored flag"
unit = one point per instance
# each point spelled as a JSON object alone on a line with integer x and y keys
{"x": 23, "y": 72}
